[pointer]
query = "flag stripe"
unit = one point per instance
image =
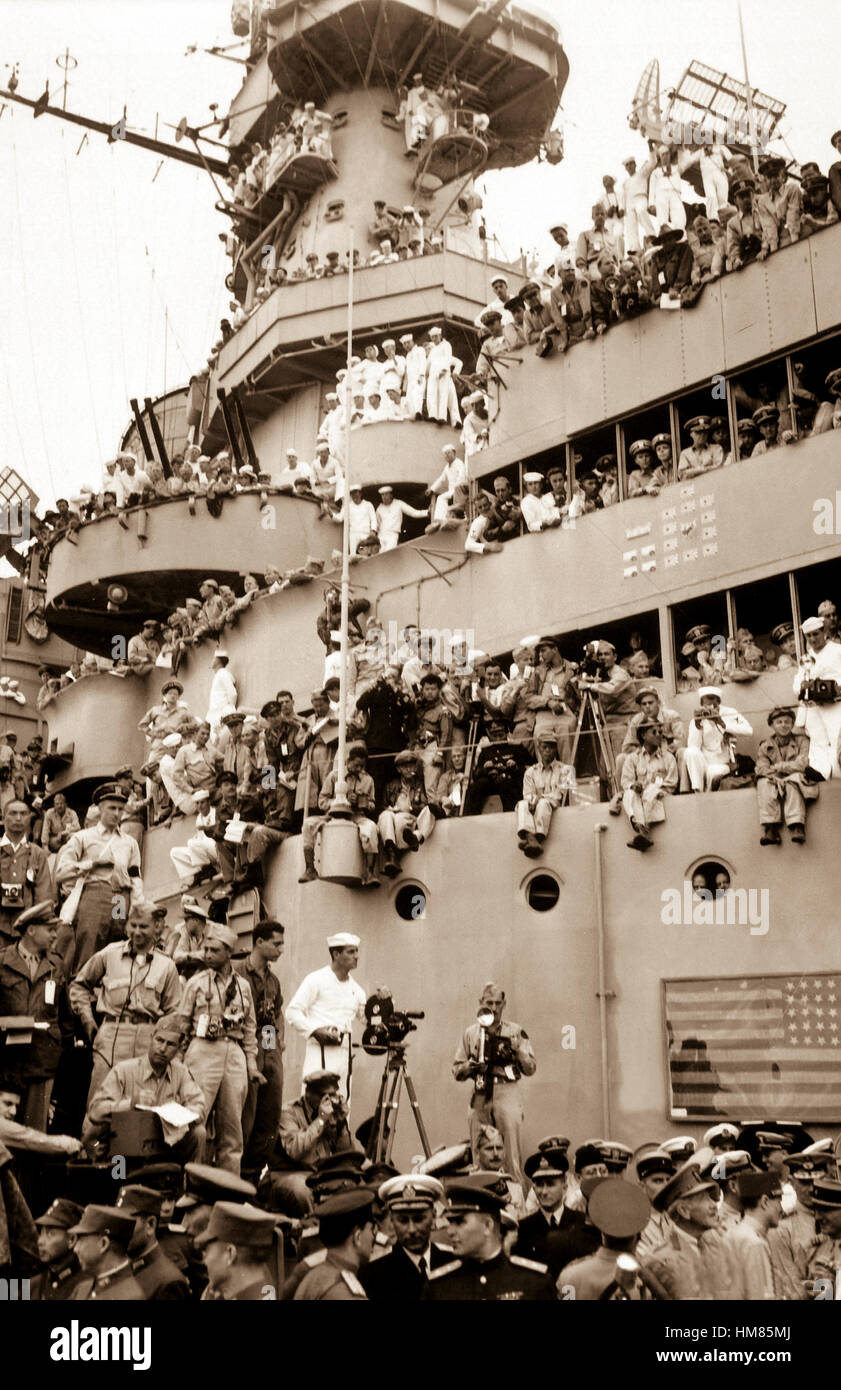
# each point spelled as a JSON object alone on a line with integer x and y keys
{"x": 772, "y": 1041}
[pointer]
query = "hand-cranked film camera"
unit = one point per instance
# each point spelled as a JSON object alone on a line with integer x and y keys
{"x": 387, "y": 1026}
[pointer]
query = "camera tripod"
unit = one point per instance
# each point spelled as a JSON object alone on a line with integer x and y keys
{"x": 395, "y": 1076}
{"x": 590, "y": 714}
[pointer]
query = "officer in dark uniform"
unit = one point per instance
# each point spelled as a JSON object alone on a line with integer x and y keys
{"x": 346, "y": 1226}
{"x": 543, "y": 1235}
{"x": 168, "y": 1180}
{"x": 399, "y": 1277}
{"x": 102, "y": 1241}
{"x": 238, "y": 1252}
{"x": 481, "y": 1271}
{"x": 204, "y": 1186}
{"x": 335, "y": 1173}
{"x": 62, "y": 1272}
{"x": 158, "y": 1277}
{"x": 617, "y": 1156}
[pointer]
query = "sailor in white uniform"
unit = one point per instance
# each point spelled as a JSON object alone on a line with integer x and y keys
{"x": 822, "y": 722}
{"x": 324, "y": 1007}
{"x": 390, "y": 514}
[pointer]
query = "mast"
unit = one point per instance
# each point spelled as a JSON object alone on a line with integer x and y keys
{"x": 340, "y": 804}
{"x": 754, "y": 139}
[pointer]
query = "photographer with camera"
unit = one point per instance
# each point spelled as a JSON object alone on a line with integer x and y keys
{"x": 601, "y": 673}
{"x": 25, "y": 877}
{"x": 217, "y": 1016}
{"x": 495, "y": 1056}
{"x": 817, "y": 685}
{"x": 546, "y": 695}
{"x": 312, "y": 1128}
{"x": 709, "y": 754}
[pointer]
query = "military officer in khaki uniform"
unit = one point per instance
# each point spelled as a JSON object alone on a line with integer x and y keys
{"x": 217, "y": 1015}
{"x": 62, "y": 1272}
{"x": 620, "y": 1210}
{"x": 767, "y": 421}
{"x": 825, "y": 1261}
{"x": 701, "y": 455}
{"x": 133, "y": 986}
{"x": 346, "y": 1228}
{"x": 495, "y": 1055}
{"x": 545, "y": 784}
{"x": 25, "y": 877}
{"x": 238, "y": 1254}
{"x": 204, "y": 1186}
{"x": 654, "y": 1168}
{"x": 159, "y": 1278}
{"x": 102, "y": 1241}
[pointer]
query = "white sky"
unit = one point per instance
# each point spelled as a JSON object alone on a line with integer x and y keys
{"x": 113, "y": 284}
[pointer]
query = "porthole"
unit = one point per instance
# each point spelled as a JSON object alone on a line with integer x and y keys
{"x": 335, "y": 211}
{"x": 709, "y": 876}
{"x": 410, "y": 902}
{"x": 543, "y": 892}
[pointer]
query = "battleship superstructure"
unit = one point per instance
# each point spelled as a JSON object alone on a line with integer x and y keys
{"x": 581, "y": 939}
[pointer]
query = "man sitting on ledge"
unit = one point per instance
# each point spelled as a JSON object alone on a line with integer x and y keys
{"x": 544, "y": 785}
{"x": 407, "y": 819}
{"x": 360, "y": 796}
{"x": 648, "y": 774}
{"x": 708, "y": 754}
{"x": 781, "y": 789}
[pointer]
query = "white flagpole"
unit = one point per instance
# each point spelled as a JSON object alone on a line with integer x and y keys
{"x": 340, "y": 803}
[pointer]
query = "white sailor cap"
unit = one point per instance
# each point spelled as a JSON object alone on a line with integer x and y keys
{"x": 811, "y": 625}
{"x": 385, "y": 488}
{"x": 709, "y": 690}
{"x": 342, "y": 938}
{"x": 532, "y": 477}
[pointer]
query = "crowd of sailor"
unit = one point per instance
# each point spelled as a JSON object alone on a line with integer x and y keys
{"x": 440, "y": 731}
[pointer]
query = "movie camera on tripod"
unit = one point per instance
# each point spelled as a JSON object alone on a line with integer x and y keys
{"x": 387, "y": 1027}
{"x": 385, "y": 1033}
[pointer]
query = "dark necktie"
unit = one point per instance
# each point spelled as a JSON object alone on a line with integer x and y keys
{"x": 422, "y": 1267}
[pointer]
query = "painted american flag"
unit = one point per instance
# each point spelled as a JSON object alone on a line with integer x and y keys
{"x": 754, "y": 1046}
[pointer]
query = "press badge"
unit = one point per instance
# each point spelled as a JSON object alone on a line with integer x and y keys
{"x": 49, "y": 992}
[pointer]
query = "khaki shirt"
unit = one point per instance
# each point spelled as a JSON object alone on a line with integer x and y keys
{"x": 547, "y": 783}
{"x": 133, "y": 1082}
{"x": 470, "y": 1044}
{"x": 110, "y": 850}
{"x": 205, "y": 994}
{"x": 122, "y": 985}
